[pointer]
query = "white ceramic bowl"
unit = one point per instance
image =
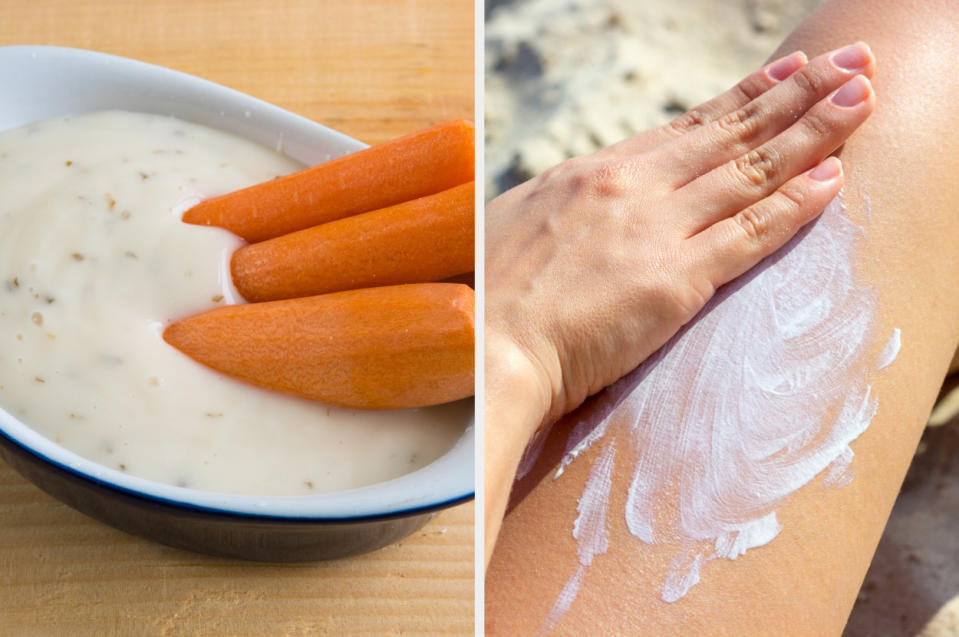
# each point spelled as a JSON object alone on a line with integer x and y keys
{"x": 40, "y": 82}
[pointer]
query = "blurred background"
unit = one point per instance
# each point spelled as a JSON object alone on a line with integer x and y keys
{"x": 567, "y": 77}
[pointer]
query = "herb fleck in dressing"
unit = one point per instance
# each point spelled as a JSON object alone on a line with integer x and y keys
{"x": 96, "y": 263}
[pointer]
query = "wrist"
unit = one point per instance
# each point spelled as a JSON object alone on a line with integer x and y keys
{"x": 516, "y": 402}
{"x": 517, "y": 390}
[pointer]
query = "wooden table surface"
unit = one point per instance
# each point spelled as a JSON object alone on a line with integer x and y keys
{"x": 374, "y": 69}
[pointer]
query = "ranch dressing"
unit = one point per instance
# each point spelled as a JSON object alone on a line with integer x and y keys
{"x": 95, "y": 263}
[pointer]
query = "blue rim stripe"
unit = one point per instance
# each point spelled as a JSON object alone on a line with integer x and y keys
{"x": 235, "y": 514}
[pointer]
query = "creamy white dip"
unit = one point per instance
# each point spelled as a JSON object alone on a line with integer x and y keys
{"x": 95, "y": 262}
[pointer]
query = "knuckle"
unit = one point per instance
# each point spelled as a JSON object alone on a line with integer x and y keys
{"x": 602, "y": 179}
{"x": 749, "y": 89}
{"x": 817, "y": 125}
{"x": 753, "y": 223}
{"x": 793, "y": 196}
{"x": 687, "y": 121}
{"x": 809, "y": 82}
{"x": 756, "y": 168}
{"x": 743, "y": 123}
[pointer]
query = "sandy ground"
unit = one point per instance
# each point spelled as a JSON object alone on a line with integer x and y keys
{"x": 913, "y": 574}
{"x": 566, "y": 77}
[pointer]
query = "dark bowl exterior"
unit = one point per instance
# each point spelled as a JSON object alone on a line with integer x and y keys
{"x": 221, "y": 533}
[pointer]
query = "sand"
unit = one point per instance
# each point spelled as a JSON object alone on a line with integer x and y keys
{"x": 567, "y": 77}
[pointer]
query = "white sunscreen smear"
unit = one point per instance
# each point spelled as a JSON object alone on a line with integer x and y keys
{"x": 761, "y": 393}
{"x": 95, "y": 262}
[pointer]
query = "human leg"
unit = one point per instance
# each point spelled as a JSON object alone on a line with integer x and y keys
{"x": 900, "y": 191}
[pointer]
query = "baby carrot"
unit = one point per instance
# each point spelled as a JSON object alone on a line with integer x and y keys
{"x": 467, "y": 278}
{"x": 419, "y": 164}
{"x": 375, "y": 348}
{"x": 427, "y": 239}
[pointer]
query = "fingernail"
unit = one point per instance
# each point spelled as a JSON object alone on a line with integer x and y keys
{"x": 853, "y": 57}
{"x": 852, "y": 92}
{"x": 827, "y": 170}
{"x": 784, "y": 67}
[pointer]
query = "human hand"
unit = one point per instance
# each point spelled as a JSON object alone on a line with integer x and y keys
{"x": 595, "y": 264}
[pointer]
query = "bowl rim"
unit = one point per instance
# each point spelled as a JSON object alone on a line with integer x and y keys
{"x": 399, "y": 497}
{"x": 219, "y": 512}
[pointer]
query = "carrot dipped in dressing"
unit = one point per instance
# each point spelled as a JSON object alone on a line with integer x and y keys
{"x": 427, "y": 239}
{"x": 419, "y": 164}
{"x": 375, "y": 348}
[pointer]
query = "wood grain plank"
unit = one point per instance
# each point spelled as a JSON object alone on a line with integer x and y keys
{"x": 65, "y": 574}
{"x": 374, "y": 69}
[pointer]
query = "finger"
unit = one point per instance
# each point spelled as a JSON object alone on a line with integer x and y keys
{"x": 734, "y": 245}
{"x": 744, "y": 129}
{"x": 748, "y": 89}
{"x": 747, "y": 179}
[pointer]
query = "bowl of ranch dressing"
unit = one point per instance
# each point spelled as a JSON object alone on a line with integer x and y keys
{"x": 99, "y": 157}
